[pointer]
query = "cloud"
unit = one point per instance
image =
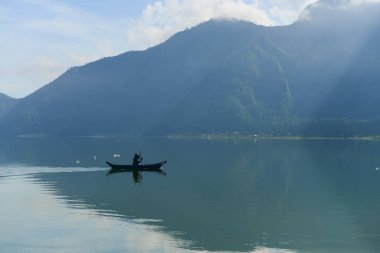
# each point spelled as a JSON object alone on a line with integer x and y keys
{"x": 163, "y": 18}
{"x": 359, "y": 2}
{"x": 345, "y": 3}
{"x": 283, "y": 12}
{"x": 41, "y": 43}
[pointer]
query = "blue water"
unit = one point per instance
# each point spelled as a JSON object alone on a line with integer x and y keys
{"x": 218, "y": 195}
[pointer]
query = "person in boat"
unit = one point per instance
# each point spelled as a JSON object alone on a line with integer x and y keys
{"x": 137, "y": 159}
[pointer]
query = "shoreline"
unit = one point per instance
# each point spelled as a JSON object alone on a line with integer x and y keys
{"x": 268, "y": 137}
{"x": 233, "y": 136}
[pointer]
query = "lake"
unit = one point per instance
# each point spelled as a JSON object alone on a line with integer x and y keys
{"x": 218, "y": 196}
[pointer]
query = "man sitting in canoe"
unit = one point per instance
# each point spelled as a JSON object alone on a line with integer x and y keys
{"x": 137, "y": 159}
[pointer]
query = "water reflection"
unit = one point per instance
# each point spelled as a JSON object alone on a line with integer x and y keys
{"x": 38, "y": 220}
{"x": 54, "y": 223}
{"x": 137, "y": 175}
{"x": 318, "y": 196}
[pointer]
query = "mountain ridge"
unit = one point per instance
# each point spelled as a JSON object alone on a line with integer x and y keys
{"x": 222, "y": 76}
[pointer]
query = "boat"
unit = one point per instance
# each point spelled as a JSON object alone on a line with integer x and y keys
{"x": 154, "y": 167}
{"x": 141, "y": 167}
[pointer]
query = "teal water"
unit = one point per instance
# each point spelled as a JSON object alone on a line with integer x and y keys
{"x": 218, "y": 196}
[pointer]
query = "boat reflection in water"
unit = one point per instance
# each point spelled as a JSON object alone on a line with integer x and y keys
{"x": 137, "y": 170}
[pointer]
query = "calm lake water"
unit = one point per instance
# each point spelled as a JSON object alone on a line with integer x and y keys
{"x": 218, "y": 196}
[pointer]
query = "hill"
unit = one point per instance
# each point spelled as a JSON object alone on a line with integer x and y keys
{"x": 318, "y": 76}
{"x": 6, "y": 104}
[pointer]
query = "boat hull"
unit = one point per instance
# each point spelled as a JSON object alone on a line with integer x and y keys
{"x": 155, "y": 167}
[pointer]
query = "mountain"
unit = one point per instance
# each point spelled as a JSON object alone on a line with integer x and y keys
{"x": 318, "y": 76}
{"x": 6, "y": 104}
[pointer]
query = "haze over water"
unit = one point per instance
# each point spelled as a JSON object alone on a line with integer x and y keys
{"x": 218, "y": 195}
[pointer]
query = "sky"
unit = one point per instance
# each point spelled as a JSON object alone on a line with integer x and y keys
{"x": 41, "y": 39}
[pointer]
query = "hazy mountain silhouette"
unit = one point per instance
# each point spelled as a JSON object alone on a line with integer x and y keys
{"x": 6, "y": 103}
{"x": 318, "y": 76}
